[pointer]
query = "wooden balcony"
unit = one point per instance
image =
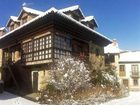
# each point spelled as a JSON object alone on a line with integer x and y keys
{"x": 135, "y": 74}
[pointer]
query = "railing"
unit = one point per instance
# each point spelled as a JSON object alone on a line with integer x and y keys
{"x": 135, "y": 74}
{"x": 121, "y": 74}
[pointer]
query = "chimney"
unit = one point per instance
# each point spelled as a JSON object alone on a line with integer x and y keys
{"x": 2, "y": 31}
{"x": 115, "y": 43}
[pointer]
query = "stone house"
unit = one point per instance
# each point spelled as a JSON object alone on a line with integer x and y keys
{"x": 36, "y": 39}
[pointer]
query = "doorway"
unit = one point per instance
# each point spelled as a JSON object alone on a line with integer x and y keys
{"x": 35, "y": 81}
{"x": 125, "y": 82}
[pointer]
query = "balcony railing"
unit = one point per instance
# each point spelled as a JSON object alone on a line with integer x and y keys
{"x": 121, "y": 74}
{"x": 135, "y": 74}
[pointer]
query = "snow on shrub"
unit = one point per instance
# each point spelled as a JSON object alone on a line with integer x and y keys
{"x": 103, "y": 76}
{"x": 68, "y": 74}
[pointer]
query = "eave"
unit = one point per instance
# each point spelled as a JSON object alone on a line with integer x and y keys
{"x": 22, "y": 32}
{"x": 58, "y": 19}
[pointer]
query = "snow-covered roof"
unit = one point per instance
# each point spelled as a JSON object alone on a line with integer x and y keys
{"x": 25, "y": 24}
{"x": 14, "y": 18}
{"x": 131, "y": 56}
{"x": 2, "y": 28}
{"x": 88, "y": 18}
{"x": 112, "y": 48}
{"x": 32, "y": 11}
{"x": 72, "y": 8}
{"x": 60, "y": 13}
{"x": 80, "y": 24}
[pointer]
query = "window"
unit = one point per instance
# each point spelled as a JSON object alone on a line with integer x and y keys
{"x": 122, "y": 70}
{"x": 6, "y": 56}
{"x": 37, "y": 49}
{"x": 62, "y": 46}
{"x": 97, "y": 51}
{"x": 59, "y": 53}
{"x": 135, "y": 82}
{"x": 109, "y": 58}
{"x": 74, "y": 16}
{"x": 24, "y": 19}
{"x": 134, "y": 68}
{"x": 62, "y": 43}
{"x": 27, "y": 51}
{"x": 80, "y": 48}
{"x": 125, "y": 82}
{"x": 12, "y": 27}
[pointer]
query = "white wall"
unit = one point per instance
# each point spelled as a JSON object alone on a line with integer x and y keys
{"x": 128, "y": 75}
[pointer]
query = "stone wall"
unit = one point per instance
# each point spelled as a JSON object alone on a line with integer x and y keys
{"x": 43, "y": 76}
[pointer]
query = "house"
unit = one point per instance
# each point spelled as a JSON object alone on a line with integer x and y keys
{"x": 129, "y": 69}
{"x": 36, "y": 39}
{"x": 127, "y": 64}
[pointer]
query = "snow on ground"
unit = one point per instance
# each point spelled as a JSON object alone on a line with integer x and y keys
{"x": 132, "y": 99}
{"x": 10, "y": 99}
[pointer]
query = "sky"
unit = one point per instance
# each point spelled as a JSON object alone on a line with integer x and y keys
{"x": 117, "y": 19}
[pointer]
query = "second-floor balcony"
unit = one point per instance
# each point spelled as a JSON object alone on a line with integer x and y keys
{"x": 135, "y": 74}
{"x": 122, "y": 74}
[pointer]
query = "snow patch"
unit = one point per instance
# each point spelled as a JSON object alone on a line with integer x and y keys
{"x": 2, "y": 28}
{"x": 112, "y": 48}
{"x": 10, "y": 99}
{"x": 130, "y": 56}
{"x": 72, "y": 8}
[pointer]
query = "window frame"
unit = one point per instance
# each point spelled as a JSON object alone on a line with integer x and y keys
{"x": 24, "y": 19}
{"x": 135, "y": 82}
{"x": 62, "y": 46}
{"x": 11, "y": 27}
{"x": 135, "y": 68}
{"x": 38, "y": 52}
{"x": 122, "y": 72}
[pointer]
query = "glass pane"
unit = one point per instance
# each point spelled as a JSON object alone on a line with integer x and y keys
{"x": 46, "y": 56}
{"x": 50, "y": 55}
{"x": 49, "y": 50}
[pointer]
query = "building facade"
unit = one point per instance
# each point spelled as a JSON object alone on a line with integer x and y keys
{"x": 36, "y": 39}
{"x": 112, "y": 54}
{"x": 129, "y": 69}
{"x": 3, "y": 31}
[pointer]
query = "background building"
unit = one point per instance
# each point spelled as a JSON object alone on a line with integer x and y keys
{"x": 129, "y": 69}
{"x": 112, "y": 53}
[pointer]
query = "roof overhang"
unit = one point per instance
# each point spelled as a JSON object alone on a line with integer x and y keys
{"x": 57, "y": 19}
{"x": 71, "y": 25}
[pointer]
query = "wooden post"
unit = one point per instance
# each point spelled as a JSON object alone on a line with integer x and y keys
{"x": 0, "y": 62}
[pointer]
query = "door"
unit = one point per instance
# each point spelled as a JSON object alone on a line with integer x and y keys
{"x": 125, "y": 82}
{"x": 35, "y": 81}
